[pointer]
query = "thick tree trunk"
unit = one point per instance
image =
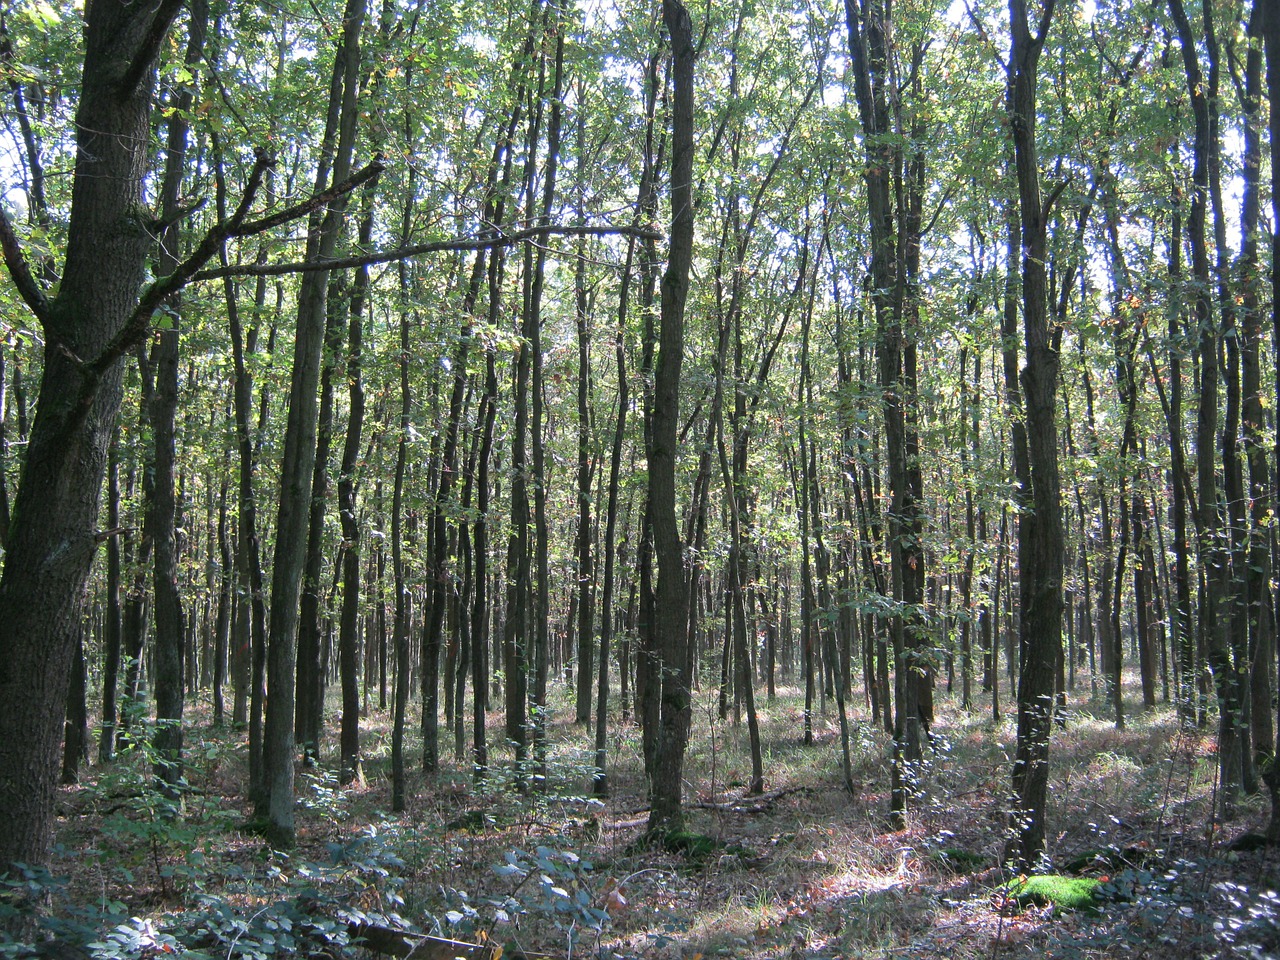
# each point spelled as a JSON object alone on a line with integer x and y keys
{"x": 51, "y": 541}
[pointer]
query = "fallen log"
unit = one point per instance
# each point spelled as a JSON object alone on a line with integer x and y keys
{"x": 750, "y": 804}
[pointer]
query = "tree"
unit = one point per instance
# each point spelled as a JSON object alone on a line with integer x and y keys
{"x": 1040, "y": 532}
{"x": 672, "y": 669}
{"x": 100, "y": 311}
{"x": 298, "y": 460}
{"x": 89, "y": 322}
{"x": 895, "y": 188}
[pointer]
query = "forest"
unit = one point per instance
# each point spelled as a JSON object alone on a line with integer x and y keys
{"x": 639, "y": 479}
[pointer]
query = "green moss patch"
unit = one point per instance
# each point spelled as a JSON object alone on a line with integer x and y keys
{"x": 1067, "y": 893}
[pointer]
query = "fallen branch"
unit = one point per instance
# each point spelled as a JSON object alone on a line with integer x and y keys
{"x": 757, "y": 804}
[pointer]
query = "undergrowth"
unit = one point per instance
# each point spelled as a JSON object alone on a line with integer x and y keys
{"x": 803, "y": 872}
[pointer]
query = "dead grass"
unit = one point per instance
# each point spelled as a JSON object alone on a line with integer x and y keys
{"x": 810, "y": 873}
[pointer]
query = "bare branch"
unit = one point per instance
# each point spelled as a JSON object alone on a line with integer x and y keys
{"x": 1054, "y": 194}
{"x": 135, "y": 328}
{"x": 314, "y": 202}
{"x": 417, "y": 250}
{"x": 20, "y": 270}
{"x": 149, "y": 48}
{"x": 1046, "y": 17}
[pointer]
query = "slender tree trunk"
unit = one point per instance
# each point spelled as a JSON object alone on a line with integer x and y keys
{"x": 163, "y": 508}
{"x": 1255, "y": 560}
{"x": 1040, "y": 533}
{"x": 75, "y": 736}
{"x": 249, "y": 636}
{"x": 225, "y": 602}
{"x": 1269, "y": 25}
{"x": 585, "y": 587}
{"x": 400, "y": 621}
{"x": 542, "y": 569}
{"x": 351, "y": 767}
{"x": 673, "y": 675}
{"x": 113, "y": 623}
{"x": 894, "y": 229}
{"x": 312, "y": 665}
{"x": 1215, "y": 611}
{"x": 300, "y": 448}
{"x": 600, "y": 785}
{"x": 486, "y": 414}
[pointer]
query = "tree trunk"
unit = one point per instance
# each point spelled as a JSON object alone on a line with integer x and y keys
{"x": 350, "y": 764}
{"x": 585, "y": 586}
{"x": 1040, "y": 534}
{"x": 672, "y": 674}
{"x": 1209, "y": 515}
{"x": 1255, "y": 556}
{"x": 1269, "y": 24}
{"x": 75, "y": 737}
{"x": 222, "y": 623}
{"x": 300, "y": 448}
{"x": 51, "y": 540}
{"x": 400, "y": 622}
{"x": 113, "y": 622}
{"x": 163, "y": 508}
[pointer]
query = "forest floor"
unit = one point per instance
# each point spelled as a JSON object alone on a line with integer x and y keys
{"x": 805, "y": 871}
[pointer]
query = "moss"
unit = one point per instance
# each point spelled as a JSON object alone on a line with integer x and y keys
{"x": 1067, "y": 893}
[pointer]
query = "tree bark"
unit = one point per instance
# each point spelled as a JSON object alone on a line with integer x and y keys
{"x": 51, "y": 540}
{"x": 163, "y": 508}
{"x": 300, "y": 450}
{"x": 672, "y": 673}
{"x": 1040, "y": 533}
